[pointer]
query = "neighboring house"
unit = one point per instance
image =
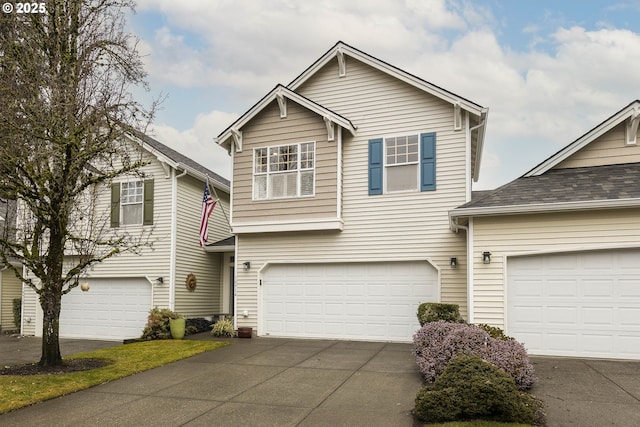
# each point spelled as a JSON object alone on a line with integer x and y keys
{"x": 10, "y": 286}
{"x": 342, "y": 184}
{"x": 564, "y": 243}
{"x": 165, "y": 205}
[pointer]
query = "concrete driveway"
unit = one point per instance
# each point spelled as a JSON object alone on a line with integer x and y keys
{"x": 254, "y": 382}
{"x": 283, "y": 382}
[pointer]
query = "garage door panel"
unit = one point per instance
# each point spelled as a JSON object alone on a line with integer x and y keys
{"x": 586, "y": 303}
{"x": 349, "y": 300}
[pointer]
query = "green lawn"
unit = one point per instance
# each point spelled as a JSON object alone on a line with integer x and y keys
{"x": 19, "y": 391}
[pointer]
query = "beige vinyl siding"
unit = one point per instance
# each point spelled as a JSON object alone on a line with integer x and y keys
{"x": 608, "y": 149}
{"x": 190, "y": 257}
{"x": 390, "y": 227}
{"x": 530, "y": 234}
{"x": 152, "y": 259}
{"x": 10, "y": 288}
{"x": 268, "y": 129}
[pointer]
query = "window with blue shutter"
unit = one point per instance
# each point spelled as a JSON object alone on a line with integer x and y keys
{"x": 428, "y": 161}
{"x": 375, "y": 166}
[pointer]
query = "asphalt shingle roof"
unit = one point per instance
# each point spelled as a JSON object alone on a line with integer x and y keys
{"x": 610, "y": 182}
{"x": 181, "y": 158}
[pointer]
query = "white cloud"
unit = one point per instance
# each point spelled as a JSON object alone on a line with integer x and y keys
{"x": 197, "y": 143}
{"x": 539, "y": 100}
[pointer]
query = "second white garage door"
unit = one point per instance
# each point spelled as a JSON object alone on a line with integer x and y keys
{"x": 368, "y": 301}
{"x": 112, "y": 309}
{"x": 576, "y": 304}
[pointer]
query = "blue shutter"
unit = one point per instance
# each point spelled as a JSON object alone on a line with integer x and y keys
{"x": 428, "y": 161}
{"x": 375, "y": 166}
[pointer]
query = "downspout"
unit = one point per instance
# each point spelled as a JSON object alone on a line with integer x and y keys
{"x": 469, "y": 230}
{"x": 174, "y": 236}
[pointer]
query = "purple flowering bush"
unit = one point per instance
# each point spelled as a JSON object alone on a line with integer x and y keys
{"x": 437, "y": 343}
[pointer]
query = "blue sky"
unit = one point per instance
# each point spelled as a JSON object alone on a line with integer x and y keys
{"x": 547, "y": 70}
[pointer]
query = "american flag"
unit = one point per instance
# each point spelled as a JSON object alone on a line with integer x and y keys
{"x": 207, "y": 207}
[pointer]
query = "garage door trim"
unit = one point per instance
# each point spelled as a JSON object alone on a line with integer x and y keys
{"x": 268, "y": 264}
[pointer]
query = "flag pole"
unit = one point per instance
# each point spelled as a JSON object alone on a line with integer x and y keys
{"x": 221, "y": 205}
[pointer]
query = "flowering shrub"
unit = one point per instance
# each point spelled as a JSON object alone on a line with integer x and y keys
{"x": 471, "y": 388}
{"x": 437, "y": 343}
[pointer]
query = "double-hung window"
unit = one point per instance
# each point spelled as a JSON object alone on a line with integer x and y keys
{"x": 131, "y": 202}
{"x": 402, "y": 163}
{"x": 284, "y": 171}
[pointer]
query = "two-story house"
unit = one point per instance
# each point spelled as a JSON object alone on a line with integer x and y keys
{"x": 171, "y": 270}
{"x": 561, "y": 244}
{"x": 342, "y": 184}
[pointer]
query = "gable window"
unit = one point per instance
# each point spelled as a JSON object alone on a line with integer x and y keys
{"x": 402, "y": 163}
{"x": 284, "y": 171}
{"x": 132, "y": 203}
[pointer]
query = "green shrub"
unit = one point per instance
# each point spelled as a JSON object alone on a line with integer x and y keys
{"x": 434, "y": 311}
{"x": 157, "y": 327}
{"x": 17, "y": 311}
{"x": 223, "y": 328}
{"x": 470, "y": 389}
{"x": 494, "y": 332}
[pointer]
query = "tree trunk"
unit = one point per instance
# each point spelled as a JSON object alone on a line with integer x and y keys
{"x": 50, "y": 329}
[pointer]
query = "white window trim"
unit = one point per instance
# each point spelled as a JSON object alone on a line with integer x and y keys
{"x": 141, "y": 203}
{"x": 386, "y": 165}
{"x": 268, "y": 173}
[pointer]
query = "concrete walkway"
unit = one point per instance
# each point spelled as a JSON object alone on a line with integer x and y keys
{"x": 285, "y": 382}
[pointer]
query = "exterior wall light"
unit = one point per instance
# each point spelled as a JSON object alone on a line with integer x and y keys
{"x": 160, "y": 280}
{"x": 246, "y": 265}
{"x": 486, "y": 257}
{"x": 453, "y": 262}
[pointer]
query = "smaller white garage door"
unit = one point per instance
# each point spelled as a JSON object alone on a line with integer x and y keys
{"x": 372, "y": 301}
{"x": 576, "y": 304}
{"x": 112, "y": 309}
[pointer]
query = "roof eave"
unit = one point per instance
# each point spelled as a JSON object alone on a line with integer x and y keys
{"x": 544, "y": 207}
{"x": 584, "y": 140}
{"x": 415, "y": 81}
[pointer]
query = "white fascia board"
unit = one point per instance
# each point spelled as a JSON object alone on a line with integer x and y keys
{"x": 279, "y": 226}
{"x": 202, "y": 177}
{"x": 388, "y": 69}
{"x": 584, "y": 140}
{"x": 544, "y": 207}
{"x": 482, "y": 129}
{"x": 225, "y": 137}
{"x": 217, "y": 249}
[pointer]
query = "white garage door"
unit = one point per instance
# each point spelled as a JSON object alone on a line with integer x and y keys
{"x": 347, "y": 300}
{"x": 112, "y": 309}
{"x": 576, "y": 304}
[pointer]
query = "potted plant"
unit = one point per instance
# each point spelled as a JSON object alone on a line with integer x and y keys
{"x": 177, "y": 326}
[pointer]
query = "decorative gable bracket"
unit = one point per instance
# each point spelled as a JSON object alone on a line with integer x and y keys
{"x": 237, "y": 139}
{"x": 457, "y": 116}
{"x": 632, "y": 127}
{"x": 282, "y": 104}
{"x": 342, "y": 64}
{"x": 331, "y": 128}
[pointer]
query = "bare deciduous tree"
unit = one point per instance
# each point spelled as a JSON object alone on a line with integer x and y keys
{"x": 65, "y": 111}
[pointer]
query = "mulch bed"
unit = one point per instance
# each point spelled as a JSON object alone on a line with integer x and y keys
{"x": 68, "y": 366}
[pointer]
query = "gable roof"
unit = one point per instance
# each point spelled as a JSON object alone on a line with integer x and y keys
{"x": 342, "y": 48}
{"x": 232, "y": 135}
{"x": 630, "y": 111}
{"x": 180, "y": 161}
{"x": 593, "y": 187}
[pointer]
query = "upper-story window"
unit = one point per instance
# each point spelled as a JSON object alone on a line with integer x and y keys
{"x": 402, "y": 163}
{"x": 132, "y": 203}
{"x": 283, "y": 171}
